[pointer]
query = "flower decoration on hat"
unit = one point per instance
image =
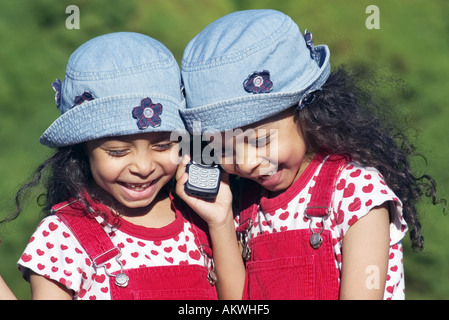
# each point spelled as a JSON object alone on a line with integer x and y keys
{"x": 314, "y": 53}
{"x": 258, "y": 82}
{"x": 57, "y": 85}
{"x": 86, "y": 96}
{"x": 308, "y": 98}
{"x": 147, "y": 114}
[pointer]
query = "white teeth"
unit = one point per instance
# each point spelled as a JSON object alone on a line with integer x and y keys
{"x": 137, "y": 186}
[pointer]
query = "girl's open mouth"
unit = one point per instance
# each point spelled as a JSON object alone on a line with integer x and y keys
{"x": 138, "y": 191}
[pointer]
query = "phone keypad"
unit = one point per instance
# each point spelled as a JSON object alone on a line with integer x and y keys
{"x": 203, "y": 178}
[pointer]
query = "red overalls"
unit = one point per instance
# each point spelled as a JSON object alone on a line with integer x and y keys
{"x": 294, "y": 264}
{"x": 183, "y": 282}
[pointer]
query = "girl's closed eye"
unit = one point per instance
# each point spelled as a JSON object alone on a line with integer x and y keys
{"x": 116, "y": 152}
{"x": 164, "y": 146}
{"x": 260, "y": 141}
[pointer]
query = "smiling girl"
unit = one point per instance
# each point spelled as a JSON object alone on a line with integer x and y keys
{"x": 113, "y": 228}
{"x": 322, "y": 217}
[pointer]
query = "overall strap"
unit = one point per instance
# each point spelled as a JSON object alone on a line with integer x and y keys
{"x": 321, "y": 193}
{"x": 92, "y": 237}
{"x": 320, "y": 204}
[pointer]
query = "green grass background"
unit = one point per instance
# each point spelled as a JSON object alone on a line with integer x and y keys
{"x": 411, "y": 46}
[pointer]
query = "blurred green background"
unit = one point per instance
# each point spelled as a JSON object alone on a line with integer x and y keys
{"x": 411, "y": 47}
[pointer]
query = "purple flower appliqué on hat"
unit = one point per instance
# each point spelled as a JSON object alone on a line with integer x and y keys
{"x": 57, "y": 87}
{"x": 86, "y": 96}
{"x": 314, "y": 53}
{"x": 258, "y": 82}
{"x": 147, "y": 114}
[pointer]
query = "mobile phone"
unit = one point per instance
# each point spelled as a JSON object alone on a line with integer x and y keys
{"x": 204, "y": 180}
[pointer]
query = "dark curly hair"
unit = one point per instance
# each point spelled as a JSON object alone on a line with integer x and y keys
{"x": 64, "y": 175}
{"x": 345, "y": 119}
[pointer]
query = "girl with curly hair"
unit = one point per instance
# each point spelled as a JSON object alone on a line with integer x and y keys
{"x": 325, "y": 192}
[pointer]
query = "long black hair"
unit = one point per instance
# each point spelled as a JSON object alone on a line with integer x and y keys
{"x": 345, "y": 119}
{"x": 64, "y": 175}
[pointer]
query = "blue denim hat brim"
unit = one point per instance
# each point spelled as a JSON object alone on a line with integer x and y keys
{"x": 217, "y": 62}
{"x": 107, "y": 80}
{"x": 109, "y": 117}
{"x": 245, "y": 110}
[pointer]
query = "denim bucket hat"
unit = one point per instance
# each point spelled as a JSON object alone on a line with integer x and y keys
{"x": 116, "y": 84}
{"x": 248, "y": 66}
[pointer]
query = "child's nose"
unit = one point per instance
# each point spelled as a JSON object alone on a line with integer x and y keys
{"x": 143, "y": 164}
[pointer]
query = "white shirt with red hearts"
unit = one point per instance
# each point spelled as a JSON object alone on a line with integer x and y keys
{"x": 358, "y": 190}
{"x": 54, "y": 252}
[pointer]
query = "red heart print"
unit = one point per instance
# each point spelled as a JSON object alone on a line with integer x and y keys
{"x": 169, "y": 259}
{"x": 368, "y": 188}
{"x": 65, "y": 282}
{"x": 355, "y": 205}
{"x": 53, "y": 226}
{"x": 140, "y": 243}
{"x": 341, "y": 184}
{"x": 182, "y": 248}
{"x": 284, "y": 215}
{"x": 352, "y": 220}
{"x": 356, "y": 173}
{"x": 82, "y": 293}
{"x": 349, "y": 191}
{"x": 196, "y": 255}
{"x": 100, "y": 278}
{"x": 26, "y": 257}
{"x": 340, "y": 216}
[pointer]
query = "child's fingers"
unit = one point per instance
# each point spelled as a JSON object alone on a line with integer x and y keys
{"x": 182, "y": 176}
